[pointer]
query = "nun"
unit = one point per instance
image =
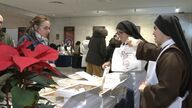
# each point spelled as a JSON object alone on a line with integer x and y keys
{"x": 169, "y": 68}
{"x": 128, "y": 31}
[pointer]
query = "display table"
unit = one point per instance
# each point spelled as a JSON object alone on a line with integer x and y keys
{"x": 76, "y": 61}
{"x": 67, "y": 61}
{"x": 63, "y": 61}
{"x": 71, "y": 94}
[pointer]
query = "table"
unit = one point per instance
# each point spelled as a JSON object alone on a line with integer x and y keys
{"x": 67, "y": 61}
{"x": 107, "y": 99}
{"x": 63, "y": 61}
{"x": 76, "y": 61}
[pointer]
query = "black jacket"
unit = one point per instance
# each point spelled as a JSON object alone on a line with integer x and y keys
{"x": 113, "y": 43}
{"x": 97, "y": 50}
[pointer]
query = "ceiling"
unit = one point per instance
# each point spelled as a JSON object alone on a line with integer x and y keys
{"x": 73, "y": 8}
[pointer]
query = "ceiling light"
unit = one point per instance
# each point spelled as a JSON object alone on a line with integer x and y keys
{"x": 108, "y": 0}
{"x": 105, "y": 0}
{"x": 56, "y": 2}
{"x": 99, "y": 11}
{"x": 177, "y": 10}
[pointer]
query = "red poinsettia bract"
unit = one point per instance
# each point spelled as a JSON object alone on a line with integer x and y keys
{"x": 23, "y": 57}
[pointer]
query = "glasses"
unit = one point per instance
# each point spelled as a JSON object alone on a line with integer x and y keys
{"x": 46, "y": 28}
{"x": 120, "y": 32}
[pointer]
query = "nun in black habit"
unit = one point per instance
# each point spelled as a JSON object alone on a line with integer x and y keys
{"x": 127, "y": 31}
{"x": 170, "y": 72}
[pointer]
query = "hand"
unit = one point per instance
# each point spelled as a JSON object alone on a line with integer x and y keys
{"x": 142, "y": 86}
{"x": 108, "y": 63}
{"x": 52, "y": 64}
{"x": 129, "y": 43}
{"x": 132, "y": 42}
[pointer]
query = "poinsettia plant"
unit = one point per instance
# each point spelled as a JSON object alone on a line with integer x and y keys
{"x": 24, "y": 71}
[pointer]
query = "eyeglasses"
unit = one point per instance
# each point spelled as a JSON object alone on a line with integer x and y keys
{"x": 120, "y": 32}
{"x": 46, "y": 28}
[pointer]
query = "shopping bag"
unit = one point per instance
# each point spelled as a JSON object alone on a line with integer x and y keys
{"x": 124, "y": 60}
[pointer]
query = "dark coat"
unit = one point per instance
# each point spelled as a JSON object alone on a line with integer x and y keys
{"x": 113, "y": 43}
{"x": 97, "y": 50}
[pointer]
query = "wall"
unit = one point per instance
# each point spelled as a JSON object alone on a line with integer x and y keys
{"x": 13, "y": 21}
{"x": 186, "y": 22}
{"x": 84, "y": 25}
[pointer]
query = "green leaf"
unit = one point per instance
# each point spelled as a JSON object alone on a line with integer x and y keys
{"x": 36, "y": 87}
{"x": 22, "y": 98}
{"x": 32, "y": 75}
{"x": 4, "y": 77}
{"x": 43, "y": 80}
{"x": 14, "y": 81}
{"x": 2, "y": 95}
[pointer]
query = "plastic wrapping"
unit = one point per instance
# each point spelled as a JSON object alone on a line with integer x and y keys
{"x": 133, "y": 82}
{"x": 84, "y": 100}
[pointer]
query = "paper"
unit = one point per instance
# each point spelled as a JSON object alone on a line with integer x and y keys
{"x": 87, "y": 76}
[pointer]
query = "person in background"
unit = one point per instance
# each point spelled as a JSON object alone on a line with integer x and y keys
{"x": 76, "y": 58}
{"x": 3, "y": 36}
{"x": 54, "y": 46}
{"x": 84, "y": 50}
{"x": 113, "y": 43}
{"x": 61, "y": 49}
{"x": 170, "y": 72}
{"x": 77, "y": 51}
{"x": 97, "y": 52}
{"x": 69, "y": 48}
{"x": 5, "y": 39}
{"x": 38, "y": 31}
